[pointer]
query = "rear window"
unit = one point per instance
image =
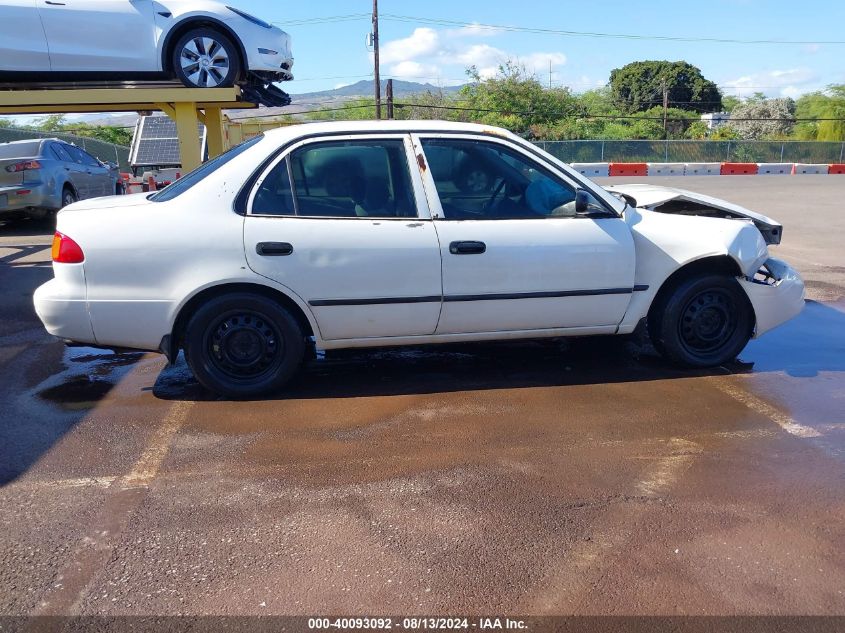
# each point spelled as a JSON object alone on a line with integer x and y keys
{"x": 19, "y": 150}
{"x": 180, "y": 186}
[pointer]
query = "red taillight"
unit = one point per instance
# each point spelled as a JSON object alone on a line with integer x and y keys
{"x": 66, "y": 251}
{"x": 24, "y": 165}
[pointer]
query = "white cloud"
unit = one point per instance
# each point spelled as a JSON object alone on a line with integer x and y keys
{"x": 481, "y": 55}
{"x": 443, "y": 55}
{"x": 789, "y": 82}
{"x": 539, "y": 62}
{"x": 474, "y": 30}
{"x": 410, "y": 69}
{"x": 423, "y": 41}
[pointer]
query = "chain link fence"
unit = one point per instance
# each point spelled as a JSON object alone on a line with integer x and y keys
{"x": 696, "y": 151}
{"x": 101, "y": 149}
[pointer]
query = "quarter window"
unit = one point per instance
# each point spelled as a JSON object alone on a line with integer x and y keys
{"x": 487, "y": 181}
{"x": 367, "y": 179}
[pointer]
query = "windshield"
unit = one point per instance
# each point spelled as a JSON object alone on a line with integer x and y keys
{"x": 19, "y": 150}
{"x": 180, "y": 186}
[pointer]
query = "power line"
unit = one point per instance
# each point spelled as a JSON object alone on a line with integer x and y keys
{"x": 628, "y": 36}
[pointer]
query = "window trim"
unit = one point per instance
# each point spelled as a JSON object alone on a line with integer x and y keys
{"x": 419, "y": 199}
{"x": 431, "y": 187}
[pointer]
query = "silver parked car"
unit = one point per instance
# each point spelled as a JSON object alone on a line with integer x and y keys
{"x": 40, "y": 176}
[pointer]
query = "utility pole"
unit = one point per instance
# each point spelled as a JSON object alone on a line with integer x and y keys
{"x": 665, "y": 106}
{"x": 550, "y": 74}
{"x": 375, "y": 59}
{"x": 389, "y": 89}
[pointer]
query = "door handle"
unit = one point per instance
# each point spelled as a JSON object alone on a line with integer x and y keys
{"x": 467, "y": 248}
{"x": 55, "y": 4}
{"x": 273, "y": 248}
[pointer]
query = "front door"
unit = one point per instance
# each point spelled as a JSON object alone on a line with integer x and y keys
{"x": 344, "y": 224}
{"x": 23, "y": 46}
{"x": 516, "y": 255}
{"x": 100, "y": 35}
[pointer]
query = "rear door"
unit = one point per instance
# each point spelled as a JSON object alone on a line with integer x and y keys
{"x": 23, "y": 46}
{"x": 100, "y": 35}
{"x": 100, "y": 179}
{"x": 516, "y": 255}
{"x": 345, "y": 225}
{"x": 79, "y": 173}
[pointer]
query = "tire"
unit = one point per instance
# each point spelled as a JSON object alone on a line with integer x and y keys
{"x": 68, "y": 197}
{"x": 243, "y": 345}
{"x": 705, "y": 321}
{"x": 206, "y": 58}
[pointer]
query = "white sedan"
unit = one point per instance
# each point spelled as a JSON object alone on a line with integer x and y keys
{"x": 201, "y": 42}
{"x": 340, "y": 235}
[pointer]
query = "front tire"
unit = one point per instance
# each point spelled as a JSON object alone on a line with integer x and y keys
{"x": 705, "y": 321}
{"x": 206, "y": 58}
{"x": 243, "y": 345}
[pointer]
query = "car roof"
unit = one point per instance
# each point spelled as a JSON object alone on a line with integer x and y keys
{"x": 376, "y": 126}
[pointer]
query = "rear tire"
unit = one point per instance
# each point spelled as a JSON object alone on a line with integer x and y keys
{"x": 243, "y": 345}
{"x": 68, "y": 197}
{"x": 206, "y": 58}
{"x": 704, "y": 321}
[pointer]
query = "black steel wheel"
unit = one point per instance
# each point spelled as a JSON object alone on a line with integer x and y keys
{"x": 243, "y": 345}
{"x": 703, "y": 322}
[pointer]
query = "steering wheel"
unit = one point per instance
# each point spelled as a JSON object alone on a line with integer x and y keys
{"x": 489, "y": 204}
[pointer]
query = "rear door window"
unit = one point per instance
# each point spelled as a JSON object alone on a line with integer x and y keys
{"x": 365, "y": 179}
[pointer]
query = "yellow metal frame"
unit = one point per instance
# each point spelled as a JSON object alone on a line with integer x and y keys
{"x": 186, "y": 106}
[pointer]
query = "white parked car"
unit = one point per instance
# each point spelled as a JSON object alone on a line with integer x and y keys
{"x": 201, "y": 42}
{"x": 339, "y": 235}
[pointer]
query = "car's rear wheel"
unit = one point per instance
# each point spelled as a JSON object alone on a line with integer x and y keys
{"x": 206, "y": 58}
{"x": 243, "y": 345}
{"x": 703, "y": 322}
{"x": 68, "y": 196}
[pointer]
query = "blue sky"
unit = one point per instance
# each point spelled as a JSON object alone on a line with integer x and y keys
{"x": 332, "y": 52}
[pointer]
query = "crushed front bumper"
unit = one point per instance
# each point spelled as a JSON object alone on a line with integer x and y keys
{"x": 776, "y": 293}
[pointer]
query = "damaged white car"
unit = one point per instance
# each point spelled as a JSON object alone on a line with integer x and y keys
{"x": 364, "y": 234}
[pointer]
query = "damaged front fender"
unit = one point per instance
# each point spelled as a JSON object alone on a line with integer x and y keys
{"x": 776, "y": 293}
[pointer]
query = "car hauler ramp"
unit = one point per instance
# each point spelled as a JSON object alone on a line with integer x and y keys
{"x": 186, "y": 106}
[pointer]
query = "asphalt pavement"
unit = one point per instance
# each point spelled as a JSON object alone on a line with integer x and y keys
{"x": 556, "y": 477}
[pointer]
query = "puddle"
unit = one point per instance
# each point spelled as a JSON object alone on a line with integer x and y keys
{"x": 79, "y": 392}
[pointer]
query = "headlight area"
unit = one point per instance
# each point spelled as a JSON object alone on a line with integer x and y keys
{"x": 776, "y": 292}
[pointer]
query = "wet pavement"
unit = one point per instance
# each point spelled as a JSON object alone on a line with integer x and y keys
{"x": 559, "y": 477}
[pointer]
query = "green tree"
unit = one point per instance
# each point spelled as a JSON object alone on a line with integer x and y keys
{"x": 639, "y": 86}
{"x": 829, "y": 106}
{"x": 767, "y": 119}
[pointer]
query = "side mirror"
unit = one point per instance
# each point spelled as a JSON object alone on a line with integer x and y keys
{"x": 582, "y": 201}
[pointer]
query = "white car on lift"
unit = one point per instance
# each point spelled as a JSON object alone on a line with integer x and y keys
{"x": 339, "y": 235}
{"x": 201, "y": 42}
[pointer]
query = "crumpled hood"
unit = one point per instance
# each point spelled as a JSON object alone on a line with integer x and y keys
{"x": 683, "y": 202}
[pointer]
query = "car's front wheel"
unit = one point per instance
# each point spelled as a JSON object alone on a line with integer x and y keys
{"x": 206, "y": 58}
{"x": 703, "y": 322}
{"x": 243, "y": 345}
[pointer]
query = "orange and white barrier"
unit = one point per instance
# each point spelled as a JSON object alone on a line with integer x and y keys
{"x": 592, "y": 170}
{"x": 774, "y": 168}
{"x": 799, "y": 169}
{"x": 702, "y": 169}
{"x": 665, "y": 169}
{"x": 628, "y": 169}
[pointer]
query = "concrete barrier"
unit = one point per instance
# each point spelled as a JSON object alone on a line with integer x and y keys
{"x": 665, "y": 169}
{"x": 836, "y": 168}
{"x": 809, "y": 168}
{"x": 592, "y": 170}
{"x": 628, "y": 169}
{"x": 774, "y": 168}
{"x": 702, "y": 169}
{"x": 739, "y": 169}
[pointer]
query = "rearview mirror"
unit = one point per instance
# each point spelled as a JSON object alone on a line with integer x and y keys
{"x": 582, "y": 201}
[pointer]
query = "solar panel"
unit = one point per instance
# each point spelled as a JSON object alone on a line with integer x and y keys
{"x": 156, "y": 142}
